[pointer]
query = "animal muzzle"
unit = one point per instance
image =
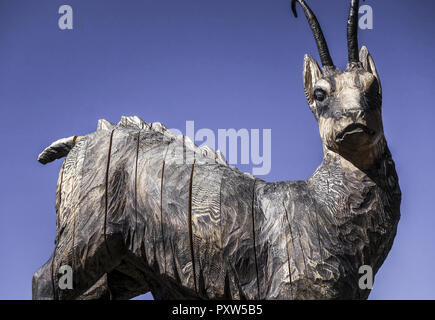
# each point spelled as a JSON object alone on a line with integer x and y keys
{"x": 355, "y": 130}
{"x": 355, "y": 135}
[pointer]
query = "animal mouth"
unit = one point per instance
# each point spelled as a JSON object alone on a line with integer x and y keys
{"x": 355, "y": 129}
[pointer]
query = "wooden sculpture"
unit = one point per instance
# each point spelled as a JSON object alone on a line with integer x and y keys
{"x": 139, "y": 209}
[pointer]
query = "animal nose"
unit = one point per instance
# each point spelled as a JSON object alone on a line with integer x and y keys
{"x": 356, "y": 114}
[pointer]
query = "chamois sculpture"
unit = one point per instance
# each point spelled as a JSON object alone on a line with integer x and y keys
{"x": 139, "y": 209}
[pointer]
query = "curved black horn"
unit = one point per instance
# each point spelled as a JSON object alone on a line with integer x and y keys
{"x": 322, "y": 46}
{"x": 352, "y": 32}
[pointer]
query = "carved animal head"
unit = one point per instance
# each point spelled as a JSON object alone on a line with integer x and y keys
{"x": 346, "y": 103}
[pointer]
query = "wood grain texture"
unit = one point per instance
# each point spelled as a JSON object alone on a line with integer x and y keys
{"x": 140, "y": 209}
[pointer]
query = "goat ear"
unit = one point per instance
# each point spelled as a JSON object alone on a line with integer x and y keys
{"x": 312, "y": 74}
{"x": 369, "y": 65}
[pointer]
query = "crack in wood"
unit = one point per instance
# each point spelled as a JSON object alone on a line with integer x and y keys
{"x": 190, "y": 227}
{"x": 107, "y": 193}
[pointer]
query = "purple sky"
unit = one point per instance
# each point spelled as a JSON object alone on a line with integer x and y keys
{"x": 223, "y": 64}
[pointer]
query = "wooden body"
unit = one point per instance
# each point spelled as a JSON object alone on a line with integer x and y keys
{"x": 145, "y": 210}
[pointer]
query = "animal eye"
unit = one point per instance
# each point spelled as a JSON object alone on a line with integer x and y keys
{"x": 319, "y": 95}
